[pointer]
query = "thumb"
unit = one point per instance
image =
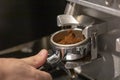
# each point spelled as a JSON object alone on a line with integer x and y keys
{"x": 37, "y": 60}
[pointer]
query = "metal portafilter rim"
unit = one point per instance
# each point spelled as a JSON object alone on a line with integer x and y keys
{"x": 70, "y": 52}
{"x": 66, "y": 45}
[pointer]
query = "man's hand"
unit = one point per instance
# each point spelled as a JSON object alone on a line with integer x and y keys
{"x": 24, "y": 69}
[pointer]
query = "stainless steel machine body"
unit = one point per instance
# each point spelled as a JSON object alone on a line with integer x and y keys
{"x": 99, "y": 21}
{"x": 103, "y": 30}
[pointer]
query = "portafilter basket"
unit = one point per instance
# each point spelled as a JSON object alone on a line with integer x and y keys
{"x": 71, "y": 51}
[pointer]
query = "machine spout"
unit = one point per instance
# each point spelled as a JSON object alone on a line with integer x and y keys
{"x": 66, "y": 20}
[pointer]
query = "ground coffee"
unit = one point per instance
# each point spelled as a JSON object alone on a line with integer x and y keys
{"x": 71, "y": 38}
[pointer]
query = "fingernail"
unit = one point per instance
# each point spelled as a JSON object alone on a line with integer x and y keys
{"x": 43, "y": 52}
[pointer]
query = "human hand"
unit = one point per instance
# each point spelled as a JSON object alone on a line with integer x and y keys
{"x": 24, "y": 69}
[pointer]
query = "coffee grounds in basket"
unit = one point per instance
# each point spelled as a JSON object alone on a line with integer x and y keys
{"x": 71, "y": 38}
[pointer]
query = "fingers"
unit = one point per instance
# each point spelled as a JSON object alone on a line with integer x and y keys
{"x": 35, "y": 74}
{"x": 41, "y": 75}
{"x": 37, "y": 60}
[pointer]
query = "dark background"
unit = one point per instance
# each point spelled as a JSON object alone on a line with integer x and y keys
{"x": 22, "y": 21}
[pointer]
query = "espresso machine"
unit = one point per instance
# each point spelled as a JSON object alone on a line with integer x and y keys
{"x": 97, "y": 57}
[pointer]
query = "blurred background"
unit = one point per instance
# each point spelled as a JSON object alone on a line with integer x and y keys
{"x": 22, "y": 21}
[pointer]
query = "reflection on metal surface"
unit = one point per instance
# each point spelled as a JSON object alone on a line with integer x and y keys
{"x": 66, "y": 20}
{"x": 109, "y": 2}
{"x": 28, "y": 48}
{"x": 118, "y": 44}
{"x": 17, "y": 48}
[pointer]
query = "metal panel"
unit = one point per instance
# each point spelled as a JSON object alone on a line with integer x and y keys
{"x": 106, "y": 9}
